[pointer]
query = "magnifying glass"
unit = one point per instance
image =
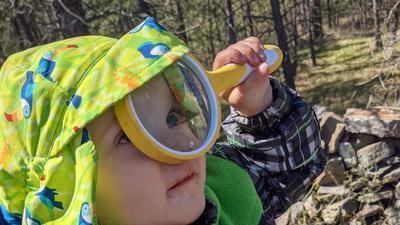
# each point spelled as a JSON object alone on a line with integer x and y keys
{"x": 176, "y": 116}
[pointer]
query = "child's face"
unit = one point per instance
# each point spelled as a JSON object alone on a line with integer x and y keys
{"x": 135, "y": 189}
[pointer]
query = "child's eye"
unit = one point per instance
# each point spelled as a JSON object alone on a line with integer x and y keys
{"x": 123, "y": 139}
{"x": 174, "y": 118}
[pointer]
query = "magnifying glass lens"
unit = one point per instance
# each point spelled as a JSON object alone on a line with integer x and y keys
{"x": 173, "y": 108}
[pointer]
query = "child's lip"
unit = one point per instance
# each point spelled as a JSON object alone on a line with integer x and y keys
{"x": 187, "y": 177}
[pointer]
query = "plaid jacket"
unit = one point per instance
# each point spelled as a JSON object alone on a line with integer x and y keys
{"x": 280, "y": 148}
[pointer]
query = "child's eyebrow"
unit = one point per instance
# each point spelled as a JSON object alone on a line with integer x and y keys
{"x": 113, "y": 123}
{"x": 108, "y": 123}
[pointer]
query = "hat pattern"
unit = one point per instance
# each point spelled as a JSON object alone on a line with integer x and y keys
{"x": 48, "y": 164}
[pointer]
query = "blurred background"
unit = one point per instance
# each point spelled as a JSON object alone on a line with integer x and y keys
{"x": 338, "y": 53}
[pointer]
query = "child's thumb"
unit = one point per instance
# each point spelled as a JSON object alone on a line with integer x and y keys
{"x": 263, "y": 69}
{"x": 256, "y": 79}
{"x": 260, "y": 74}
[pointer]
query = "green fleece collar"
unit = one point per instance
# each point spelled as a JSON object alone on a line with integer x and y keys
{"x": 233, "y": 192}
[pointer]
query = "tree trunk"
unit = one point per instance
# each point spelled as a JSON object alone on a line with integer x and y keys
{"x": 363, "y": 14}
{"x": 71, "y": 16}
{"x": 288, "y": 68}
{"x": 316, "y": 19}
{"x": 24, "y": 28}
{"x": 394, "y": 22}
{"x": 378, "y": 39}
{"x": 295, "y": 34}
{"x": 311, "y": 45}
{"x": 50, "y": 18}
{"x": 181, "y": 26}
{"x": 336, "y": 15}
{"x": 395, "y": 26}
{"x": 210, "y": 39}
{"x": 310, "y": 32}
{"x": 329, "y": 11}
{"x": 145, "y": 9}
{"x": 248, "y": 19}
{"x": 211, "y": 30}
{"x": 230, "y": 22}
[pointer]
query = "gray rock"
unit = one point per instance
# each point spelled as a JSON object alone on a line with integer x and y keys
{"x": 374, "y": 184}
{"x": 326, "y": 197}
{"x": 336, "y": 138}
{"x": 332, "y": 213}
{"x": 319, "y": 111}
{"x": 375, "y": 197}
{"x": 392, "y": 176}
{"x": 296, "y": 211}
{"x": 378, "y": 172}
{"x": 365, "y": 139}
{"x": 373, "y": 153}
{"x": 328, "y": 126}
{"x": 348, "y": 153}
{"x": 379, "y": 122}
{"x": 323, "y": 145}
{"x": 335, "y": 190}
{"x": 358, "y": 184}
{"x": 391, "y": 160}
{"x": 310, "y": 206}
{"x": 283, "y": 219}
{"x": 397, "y": 204}
{"x": 397, "y": 190}
{"x": 355, "y": 221}
{"x": 369, "y": 210}
{"x": 396, "y": 143}
{"x": 334, "y": 173}
{"x": 359, "y": 171}
{"x": 349, "y": 206}
{"x": 392, "y": 216}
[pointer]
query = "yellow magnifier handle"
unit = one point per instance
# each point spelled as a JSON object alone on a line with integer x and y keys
{"x": 232, "y": 74}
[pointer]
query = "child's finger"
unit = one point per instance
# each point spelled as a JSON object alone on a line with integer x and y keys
{"x": 251, "y": 92}
{"x": 253, "y": 57}
{"x": 229, "y": 55}
{"x": 254, "y": 39}
{"x": 256, "y": 80}
{"x": 255, "y": 43}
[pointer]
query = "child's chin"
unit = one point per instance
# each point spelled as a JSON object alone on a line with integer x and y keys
{"x": 185, "y": 210}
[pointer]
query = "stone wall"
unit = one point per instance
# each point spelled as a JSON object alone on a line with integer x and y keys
{"x": 360, "y": 184}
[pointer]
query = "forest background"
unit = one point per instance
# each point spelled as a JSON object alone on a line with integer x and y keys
{"x": 338, "y": 53}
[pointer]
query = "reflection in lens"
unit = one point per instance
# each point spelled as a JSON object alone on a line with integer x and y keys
{"x": 173, "y": 108}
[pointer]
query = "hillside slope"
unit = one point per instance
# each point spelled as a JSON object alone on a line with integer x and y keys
{"x": 347, "y": 72}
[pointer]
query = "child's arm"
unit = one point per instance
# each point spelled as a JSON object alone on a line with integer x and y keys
{"x": 279, "y": 146}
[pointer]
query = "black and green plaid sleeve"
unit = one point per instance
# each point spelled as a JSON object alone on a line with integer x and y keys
{"x": 279, "y": 148}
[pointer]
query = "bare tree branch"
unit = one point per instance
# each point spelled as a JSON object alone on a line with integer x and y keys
{"x": 71, "y": 13}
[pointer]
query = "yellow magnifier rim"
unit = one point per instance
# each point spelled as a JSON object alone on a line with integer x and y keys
{"x": 214, "y": 82}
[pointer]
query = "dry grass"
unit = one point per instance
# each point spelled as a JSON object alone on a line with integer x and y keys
{"x": 343, "y": 63}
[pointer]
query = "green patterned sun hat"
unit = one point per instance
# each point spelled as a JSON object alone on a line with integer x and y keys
{"x": 48, "y": 94}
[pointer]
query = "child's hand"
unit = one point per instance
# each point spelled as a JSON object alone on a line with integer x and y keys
{"x": 254, "y": 94}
